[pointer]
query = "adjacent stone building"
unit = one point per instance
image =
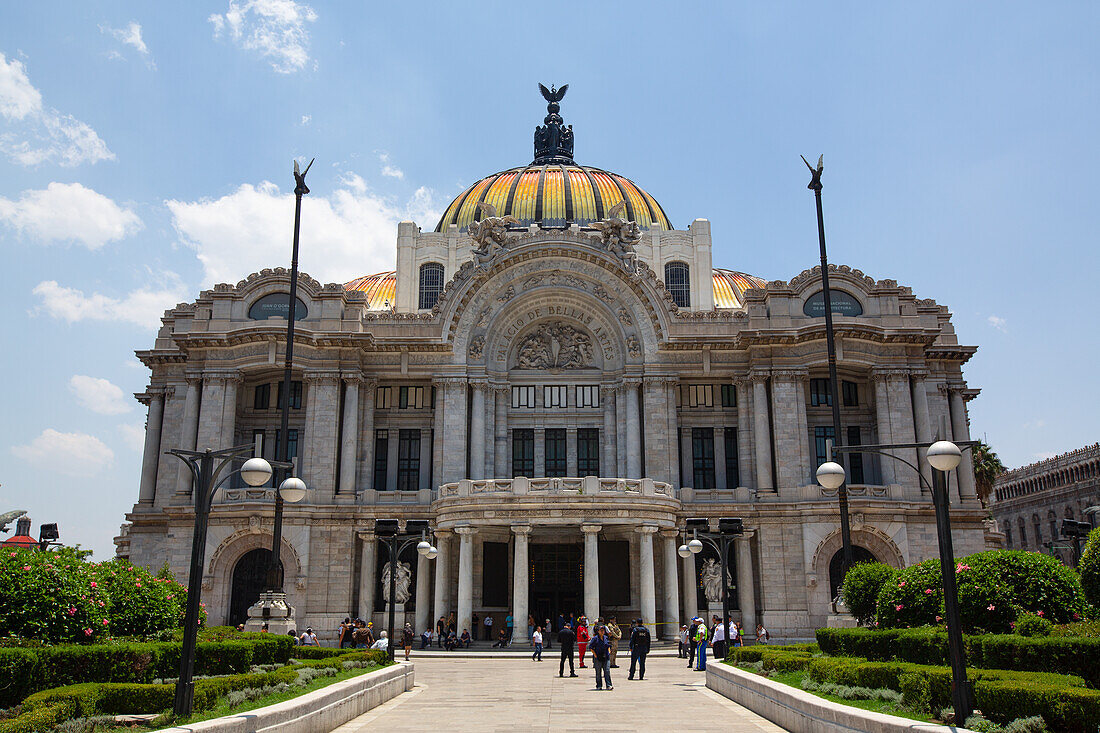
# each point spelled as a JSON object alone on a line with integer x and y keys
{"x": 557, "y": 378}
{"x": 1030, "y": 502}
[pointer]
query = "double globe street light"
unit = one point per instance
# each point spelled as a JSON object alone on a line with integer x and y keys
{"x": 943, "y": 456}
{"x": 390, "y": 529}
{"x": 728, "y": 527}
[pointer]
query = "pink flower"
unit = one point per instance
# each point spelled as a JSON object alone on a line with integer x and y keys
{"x": 990, "y": 607}
{"x": 87, "y": 632}
{"x": 101, "y": 603}
{"x": 927, "y": 591}
{"x": 938, "y": 618}
{"x": 960, "y": 567}
{"x": 72, "y": 611}
{"x": 899, "y": 607}
{"x": 139, "y": 584}
{"x": 93, "y": 582}
{"x": 173, "y": 596}
{"x": 28, "y": 567}
{"x": 900, "y": 585}
{"x": 105, "y": 621}
{"x": 1039, "y": 613}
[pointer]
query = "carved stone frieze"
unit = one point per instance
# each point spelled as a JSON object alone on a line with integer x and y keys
{"x": 633, "y": 346}
{"x": 507, "y": 294}
{"x": 555, "y": 345}
{"x": 624, "y": 316}
{"x": 477, "y": 346}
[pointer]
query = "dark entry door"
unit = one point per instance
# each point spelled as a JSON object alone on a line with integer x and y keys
{"x": 249, "y": 579}
{"x": 557, "y": 581}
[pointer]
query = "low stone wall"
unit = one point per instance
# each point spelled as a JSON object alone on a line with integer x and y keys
{"x": 317, "y": 712}
{"x": 801, "y": 712}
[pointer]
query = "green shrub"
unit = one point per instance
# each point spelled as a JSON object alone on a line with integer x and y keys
{"x": 1076, "y": 710}
{"x": 916, "y": 693}
{"x": 140, "y": 603}
{"x": 1089, "y": 629}
{"x": 1030, "y": 624}
{"x": 913, "y": 597}
{"x": 861, "y": 587}
{"x": 1089, "y": 568}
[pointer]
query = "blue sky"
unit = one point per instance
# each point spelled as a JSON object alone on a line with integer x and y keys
{"x": 145, "y": 154}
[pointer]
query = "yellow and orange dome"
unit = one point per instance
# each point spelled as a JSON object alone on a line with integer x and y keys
{"x": 555, "y": 195}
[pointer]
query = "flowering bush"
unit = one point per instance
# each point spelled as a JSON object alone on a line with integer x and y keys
{"x": 1089, "y": 567}
{"x": 862, "y": 584}
{"x": 59, "y": 596}
{"x": 994, "y": 588}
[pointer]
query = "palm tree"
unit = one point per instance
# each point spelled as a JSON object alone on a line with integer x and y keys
{"x": 987, "y": 467}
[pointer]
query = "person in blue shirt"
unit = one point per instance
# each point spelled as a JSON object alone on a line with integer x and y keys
{"x": 509, "y": 622}
{"x": 600, "y": 645}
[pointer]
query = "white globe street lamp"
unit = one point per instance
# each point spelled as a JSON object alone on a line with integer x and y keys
{"x": 292, "y": 489}
{"x": 683, "y": 551}
{"x": 944, "y": 455}
{"x": 830, "y": 475}
{"x": 695, "y": 547}
{"x": 256, "y": 472}
{"x": 431, "y": 553}
{"x": 424, "y": 547}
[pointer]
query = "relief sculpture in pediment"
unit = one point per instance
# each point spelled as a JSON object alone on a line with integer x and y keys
{"x": 555, "y": 345}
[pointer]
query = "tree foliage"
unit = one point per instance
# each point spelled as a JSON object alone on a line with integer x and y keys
{"x": 1089, "y": 567}
{"x": 987, "y": 467}
{"x": 861, "y": 587}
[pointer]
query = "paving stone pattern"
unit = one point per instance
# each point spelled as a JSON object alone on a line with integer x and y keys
{"x": 517, "y": 694}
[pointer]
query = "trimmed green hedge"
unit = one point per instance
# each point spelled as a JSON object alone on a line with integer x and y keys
{"x": 24, "y": 671}
{"x": 927, "y": 645}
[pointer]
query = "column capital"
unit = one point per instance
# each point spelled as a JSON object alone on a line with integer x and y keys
{"x": 222, "y": 375}
{"x": 450, "y": 381}
{"x": 661, "y": 379}
{"x": 886, "y": 374}
{"x": 325, "y": 376}
{"x": 745, "y": 535}
{"x": 646, "y": 529}
{"x": 367, "y": 536}
{"x": 757, "y": 376}
{"x": 591, "y": 528}
{"x": 919, "y": 373}
{"x": 466, "y": 531}
{"x": 631, "y": 383}
{"x": 352, "y": 378}
{"x": 193, "y": 377}
{"x": 672, "y": 534}
{"x": 792, "y": 375}
{"x": 479, "y": 385}
{"x": 441, "y": 534}
{"x": 499, "y": 387}
{"x": 522, "y": 529}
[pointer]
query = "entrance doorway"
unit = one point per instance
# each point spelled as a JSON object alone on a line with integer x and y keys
{"x": 249, "y": 579}
{"x": 836, "y": 566}
{"x": 557, "y": 582}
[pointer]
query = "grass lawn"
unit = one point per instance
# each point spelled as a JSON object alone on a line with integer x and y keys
{"x": 794, "y": 679}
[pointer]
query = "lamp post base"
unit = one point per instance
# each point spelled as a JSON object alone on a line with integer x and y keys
{"x": 273, "y": 610}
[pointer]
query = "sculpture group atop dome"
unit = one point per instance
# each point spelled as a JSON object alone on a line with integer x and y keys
{"x": 553, "y": 139}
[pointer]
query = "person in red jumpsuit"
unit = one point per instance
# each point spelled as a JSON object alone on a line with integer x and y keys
{"x": 582, "y": 638}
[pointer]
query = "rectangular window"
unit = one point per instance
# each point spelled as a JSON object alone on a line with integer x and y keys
{"x": 295, "y": 395}
{"x": 555, "y": 451}
{"x": 523, "y": 397}
{"x": 819, "y": 393}
{"x": 588, "y": 395}
{"x": 261, "y": 397}
{"x": 702, "y": 457}
{"x": 733, "y": 470}
{"x": 855, "y": 460}
{"x": 697, "y": 395}
{"x": 588, "y": 451}
{"x": 821, "y": 434}
{"x": 408, "y": 459}
{"x": 523, "y": 452}
{"x": 495, "y": 578}
{"x": 849, "y": 394}
{"x": 410, "y": 398}
{"x": 381, "y": 458}
{"x": 555, "y": 396}
{"x": 291, "y": 443}
{"x": 729, "y": 395}
{"x": 382, "y": 398}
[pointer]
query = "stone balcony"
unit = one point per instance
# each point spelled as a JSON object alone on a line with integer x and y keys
{"x": 577, "y": 486}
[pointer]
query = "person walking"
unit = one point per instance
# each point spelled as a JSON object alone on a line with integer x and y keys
{"x": 762, "y": 635}
{"x": 582, "y": 639}
{"x": 639, "y": 649}
{"x": 536, "y": 641}
{"x": 690, "y": 640}
{"x": 488, "y": 627}
{"x": 566, "y": 641}
{"x": 701, "y": 649}
{"x": 601, "y": 658}
{"x": 615, "y": 633}
{"x": 407, "y": 636}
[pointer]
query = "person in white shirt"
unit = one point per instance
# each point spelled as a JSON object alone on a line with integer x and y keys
{"x": 309, "y": 638}
{"x": 536, "y": 639}
{"x": 383, "y": 643}
{"x": 488, "y": 627}
{"x": 718, "y": 640}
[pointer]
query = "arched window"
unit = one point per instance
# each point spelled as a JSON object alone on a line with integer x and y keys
{"x": 431, "y": 284}
{"x": 1008, "y": 535}
{"x": 678, "y": 282}
{"x": 1023, "y": 532}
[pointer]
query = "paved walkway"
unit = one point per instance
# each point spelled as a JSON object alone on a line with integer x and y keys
{"x": 464, "y": 694}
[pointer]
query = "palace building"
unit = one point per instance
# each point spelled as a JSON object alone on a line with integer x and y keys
{"x": 557, "y": 378}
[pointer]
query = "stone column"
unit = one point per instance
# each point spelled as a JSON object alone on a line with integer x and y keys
{"x": 349, "y": 438}
{"x": 367, "y": 582}
{"x": 669, "y": 543}
{"x": 151, "y": 457}
{"x": 960, "y": 430}
{"x": 502, "y": 395}
{"x": 806, "y": 439}
{"x": 922, "y": 422}
{"x": 521, "y": 584}
{"x": 633, "y": 430}
{"x": 902, "y": 430}
{"x": 688, "y": 580}
{"x": 465, "y": 576}
{"x": 591, "y": 570}
{"x": 477, "y": 431}
{"x": 571, "y": 452}
{"x": 318, "y": 460}
{"x": 209, "y": 434}
{"x": 423, "y": 593}
{"x": 439, "y": 422}
{"x": 789, "y": 442}
{"x": 762, "y": 433}
{"x": 367, "y": 389}
{"x": 720, "y": 481}
{"x": 188, "y": 431}
{"x": 882, "y": 420}
{"x": 426, "y": 476}
{"x": 490, "y": 440}
{"x": 453, "y": 456}
{"x": 229, "y": 410}
{"x": 744, "y": 434}
{"x": 608, "y": 438}
{"x": 620, "y": 431}
{"x": 746, "y": 591}
{"x": 442, "y": 573}
{"x": 647, "y": 581}
{"x": 687, "y": 455}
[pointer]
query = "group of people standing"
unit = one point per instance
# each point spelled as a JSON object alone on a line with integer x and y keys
{"x": 603, "y": 645}
{"x": 695, "y": 638}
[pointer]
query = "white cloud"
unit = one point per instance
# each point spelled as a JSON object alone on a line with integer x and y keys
{"x": 350, "y": 233}
{"x": 388, "y": 170}
{"x": 131, "y": 36}
{"x": 38, "y": 133}
{"x": 73, "y": 454}
{"x": 142, "y": 307}
{"x": 998, "y": 323}
{"x": 99, "y": 395}
{"x": 69, "y": 212}
{"x": 306, "y": 119}
{"x": 274, "y": 28}
{"x": 133, "y": 436}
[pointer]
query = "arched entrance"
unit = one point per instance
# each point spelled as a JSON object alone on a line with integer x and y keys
{"x": 836, "y": 566}
{"x": 249, "y": 579}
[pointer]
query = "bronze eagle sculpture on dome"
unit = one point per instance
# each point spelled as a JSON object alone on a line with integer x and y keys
{"x": 553, "y": 94}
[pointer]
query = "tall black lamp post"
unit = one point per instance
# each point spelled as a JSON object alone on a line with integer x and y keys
{"x": 728, "y": 528}
{"x": 838, "y": 436}
{"x": 416, "y": 530}
{"x": 275, "y": 570}
{"x": 944, "y": 456}
{"x": 205, "y": 482}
